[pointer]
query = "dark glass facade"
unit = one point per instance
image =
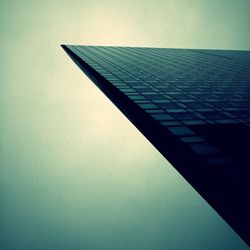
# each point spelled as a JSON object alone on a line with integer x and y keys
{"x": 193, "y": 106}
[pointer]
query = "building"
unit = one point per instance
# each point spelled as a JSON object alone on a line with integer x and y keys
{"x": 193, "y": 106}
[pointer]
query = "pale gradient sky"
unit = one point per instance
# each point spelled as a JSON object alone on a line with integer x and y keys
{"x": 75, "y": 173}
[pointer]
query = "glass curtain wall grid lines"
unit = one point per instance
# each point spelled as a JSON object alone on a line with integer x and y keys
{"x": 193, "y": 106}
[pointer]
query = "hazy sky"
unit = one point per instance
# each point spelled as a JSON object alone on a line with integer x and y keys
{"x": 75, "y": 173}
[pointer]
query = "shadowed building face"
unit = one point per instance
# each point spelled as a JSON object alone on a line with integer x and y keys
{"x": 193, "y": 105}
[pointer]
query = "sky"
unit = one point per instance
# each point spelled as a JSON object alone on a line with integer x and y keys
{"x": 75, "y": 173}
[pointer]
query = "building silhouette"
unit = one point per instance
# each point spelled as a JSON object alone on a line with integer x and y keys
{"x": 193, "y": 106}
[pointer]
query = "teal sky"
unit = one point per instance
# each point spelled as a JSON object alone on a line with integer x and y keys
{"x": 75, "y": 173}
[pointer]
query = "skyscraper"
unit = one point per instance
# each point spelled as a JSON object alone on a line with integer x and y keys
{"x": 193, "y": 106}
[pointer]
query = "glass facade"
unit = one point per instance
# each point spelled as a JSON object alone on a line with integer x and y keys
{"x": 194, "y": 107}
